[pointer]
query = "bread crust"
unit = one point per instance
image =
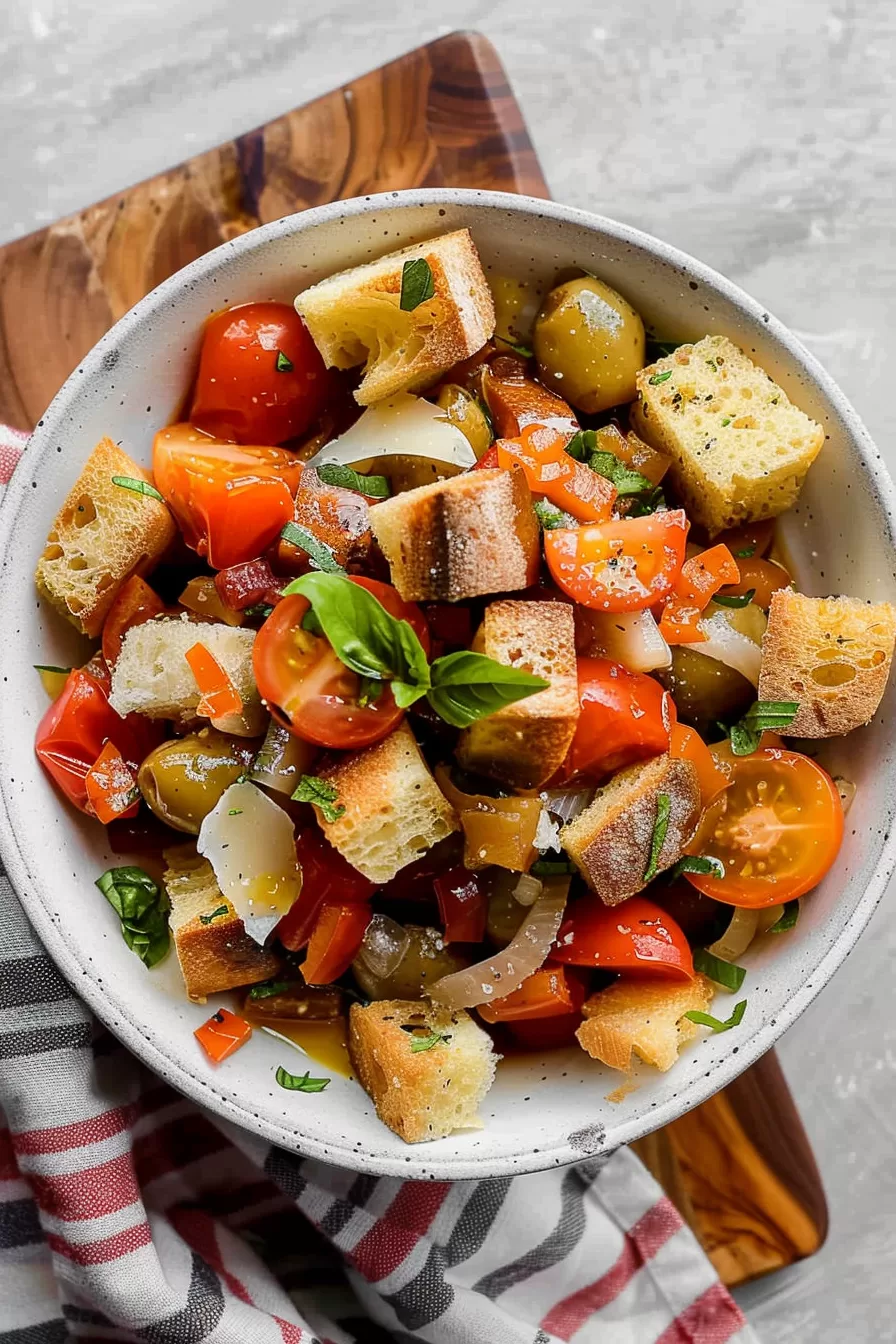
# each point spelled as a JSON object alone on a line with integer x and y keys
{"x": 643, "y": 1017}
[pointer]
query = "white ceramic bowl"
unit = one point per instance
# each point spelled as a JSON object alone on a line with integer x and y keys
{"x": 546, "y": 1111}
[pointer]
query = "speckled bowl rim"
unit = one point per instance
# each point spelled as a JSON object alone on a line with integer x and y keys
{"x": 423, "y": 1161}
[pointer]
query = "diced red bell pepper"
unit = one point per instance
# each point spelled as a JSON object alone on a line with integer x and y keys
{"x": 111, "y": 786}
{"x": 515, "y": 401}
{"x": 219, "y": 695}
{"x": 327, "y": 879}
{"x": 334, "y": 943}
{"x": 545, "y": 1033}
{"x": 462, "y": 906}
{"x": 222, "y": 1034}
{"x": 248, "y": 584}
{"x": 549, "y": 992}
{"x": 489, "y": 460}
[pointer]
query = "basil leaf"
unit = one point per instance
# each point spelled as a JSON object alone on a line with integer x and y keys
{"x": 658, "y": 378}
{"x": 582, "y": 444}
{"x": 699, "y": 863}
{"x": 215, "y": 914}
{"x": 626, "y": 481}
{"x": 268, "y": 988}
{"x": 660, "y": 827}
{"x": 44, "y": 667}
{"x": 131, "y": 892}
{"x": 334, "y": 473}
{"x": 659, "y": 349}
{"x": 294, "y": 1082}
{"x": 515, "y": 346}
{"x": 435, "y": 1037}
{"x": 764, "y": 715}
{"x": 138, "y": 487}
{"x": 311, "y": 789}
{"x": 469, "y": 686}
{"x": 723, "y": 972}
{"x": 736, "y": 600}
{"x": 320, "y": 555}
{"x": 552, "y": 867}
{"x": 745, "y": 551}
{"x": 707, "y": 1020}
{"x": 284, "y": 363}
{"x": 417, "y": 284}
{"x": 549, "y": 517}
{"x": 789, "y": 918}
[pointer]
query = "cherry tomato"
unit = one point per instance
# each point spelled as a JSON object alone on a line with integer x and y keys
{"x": 135, "y": 603}
{"x": 551, "y": 991}
{"x": 310, "y": 691}
{"x": 777, "y": 829}
{"x": 231, "y": 502}
{"x": 634, "y": 936}
{"x": 515, "y": 401}
{"x": 462, "y": 905}
{"x": 334, "y": 943}
{"x": 623, "y": 565}
{"x": 555, "y": 476}
{"x": 749, "y": 539}
{"x": 687, "y": 744}
{"x": 327, "y": 878}
{"x": 624, "y": 717}
{"x": 261, "y": 379}
{"x": 78, "y": 725}
{"x": 763, "y": 576}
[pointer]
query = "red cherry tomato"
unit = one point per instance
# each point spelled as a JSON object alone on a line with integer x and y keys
{"x": 78, "y": 725}
{"x": 334, "y": 943}
{"x": 231, "y": 502}
{"x": 261, "y": 379}
{"x": 135, "y": 603}
{"x": 623, "y": 565}
{"x": 624, "y": 717}
{"x": 327, "y": 878}
{"x": 634, "y": 936}
{"x": 310, "y": 691}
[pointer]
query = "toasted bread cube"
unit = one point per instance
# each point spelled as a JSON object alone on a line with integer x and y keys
{"x": 523, "y": 744}
{"x": 610, "y": 841}
{"x": 643, "y": 1016}
{"x": 214, "y": 950}
{"x": 476, "y": 533}
{"x": 394, "y": 810}
{"x": 831, "y": 655}
{"x": 421, "y": 1094}
{"x": 355, "y": 317}
{"x": 740, "y": 449}
{"x": 152, "y": 676}
{"x": 102, "y": 535}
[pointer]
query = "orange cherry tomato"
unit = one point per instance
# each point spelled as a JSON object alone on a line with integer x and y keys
{"x": 687, "y": 744}
{"x": 552, "y": 474}
{"x": 261, "y": 379}
{"x": 749, "y": 539}
{"x": 310, "y": 691}
{"x": 515, "y": 401}
{"x": 777, "y": 829}
{"x": 549, "y": 992}
{"x": 634, "y": 936}
{"x": 623, "y": 565}
{"x": 335, "y": 941}
{"x": 231, "y": 502}
{"x": 624, "y": 717}
{"x": 222, "y": 1034}
{"x": 763, "y": 576}
{"x": 700, "y": 577}
{"x": 135, "y": 603}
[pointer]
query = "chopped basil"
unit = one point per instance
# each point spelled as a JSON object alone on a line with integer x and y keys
{"x": 294, "y": 1082}
{"x": 659, "y": 349}
{"x": 723, "y": 972}
{"x": 320, "y": 555}
{"x": 138, "y": 487}
{"x": 707, "y": 1020}
{"x": 655, "y": 379}
{"x": 764, "y": 715}
{"x": 552, "y": 867}
{"x": 215, "y": 914}
{"x": 736, "y": 600}
{"x": 699, "y": 863}
{"x": 745, "y": 551}
{"x": 417, "y": 284}
{"x": 641, "y": 505}
{"x": 284, "y": 363}
{"x": 516, "y": 346}
{"x": 727, "y": 421}
{"x": 657, "y": 840}
{"x": 325, "y": 796}
{"x": 262, "y": 609}
{"x": 435, "y": 1037}
{"x": 45, "y": 667}
{"x": 788, "y": 919}
{"x": 582, "y": 444}
{"x": 268, "y": 988}
{"x": 137, "y": 901}
{"x": 235, "y": 812}
{"x": 626, "y": 481}
{"x": 334, "y": 473}
{"x": 549, "y": 517}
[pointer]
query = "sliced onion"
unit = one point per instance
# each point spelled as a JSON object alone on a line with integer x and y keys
{"x": 738, "y": 936}
{"x": 383, "y": 946}
{"x": 631, "y": 638}
{"x": 501, "y": 974}
{"x": 566, "y": 804}
{"x": 405, "y": 425}
{"x": 528, "y": 889}
{"x": 847, "y": 792}
{"x": 282, "y": 760}
{"x": 767, "y": 916}
{"x": 730, "y": 647}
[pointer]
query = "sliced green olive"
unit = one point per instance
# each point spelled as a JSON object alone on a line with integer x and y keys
{"x": 182, "y": 780}
{"x": 466, "y": 414}
{"x": 589, "y": 343}
{"x": 427, "y": 959}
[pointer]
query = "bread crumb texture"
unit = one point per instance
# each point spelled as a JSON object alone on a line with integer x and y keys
{"x": 153, "y": 677}
{"x": 644, "y": 1017}
{"x": 740, "y": 449}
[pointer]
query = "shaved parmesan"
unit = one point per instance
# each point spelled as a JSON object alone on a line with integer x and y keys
{"x": 628, "y": 637}
{"x": 250, "y": 843}
{"x": 405, "y": 426}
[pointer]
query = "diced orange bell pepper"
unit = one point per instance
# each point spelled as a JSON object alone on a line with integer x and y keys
{"x": 111, "y": 786}
{"x": 222, "y": 1034}
{"x": 701, "y": 577}
{"x": 687, "y": 744}
{"x": 219, "y": 695}
{"x": 550, "y": 992}
{"x": 552, "y": 473}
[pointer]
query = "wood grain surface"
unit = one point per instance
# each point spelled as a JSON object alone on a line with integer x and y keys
{"x": 739, "y": 1167}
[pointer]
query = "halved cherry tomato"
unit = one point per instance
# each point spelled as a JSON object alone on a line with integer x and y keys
{"x": 764, "y": 577}
{"x": 634, "y": 936}
{"x": 700, "y": 577}
{"x": 623, "y": 565}
{"x": 111, "y": 786}
{"x": 135, "y": 603}
{"x": 687, "y": 744}
{"x": 310, "y": 691}
{"x": 748, "y": 540}
{"x": 327, "y": 878}
{"x": 334, "y": 943}
{"x": 777, "y": 829}
{"x": 231, "y": 502}
{"x": 78, "y": 725}
{"x": 624, "y": 717}
{"x": 515, "y": 401}
{"x": 552, "y": 474}
{"x": 222, "y": 1034}
{"x": 549, "y": 992}
{"x": 462, "y": 905}
{"x": 261, "y": 379}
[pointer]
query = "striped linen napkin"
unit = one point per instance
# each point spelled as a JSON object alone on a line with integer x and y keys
{"x": 128, "y": 1213}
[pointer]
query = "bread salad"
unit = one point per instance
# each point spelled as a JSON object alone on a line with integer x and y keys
{"x": 443, "y": 680}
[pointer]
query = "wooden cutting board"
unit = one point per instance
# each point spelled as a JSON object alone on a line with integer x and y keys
{"x": 739, "y": 1167}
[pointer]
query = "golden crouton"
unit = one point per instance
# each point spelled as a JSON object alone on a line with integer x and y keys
{"x": 644, "y": 1016}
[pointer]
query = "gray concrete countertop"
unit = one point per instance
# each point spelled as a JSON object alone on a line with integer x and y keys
{"x": 756, "y": 134}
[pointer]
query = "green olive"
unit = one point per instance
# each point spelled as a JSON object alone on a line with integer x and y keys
{"x": 183, "y": 779}
{"x": 466, "y": 414}
{"x": 705, "y": 690}
{"x": 427, "y": 959}
{"x": 589, "y": 343}
{"x": 505, "y": 913}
